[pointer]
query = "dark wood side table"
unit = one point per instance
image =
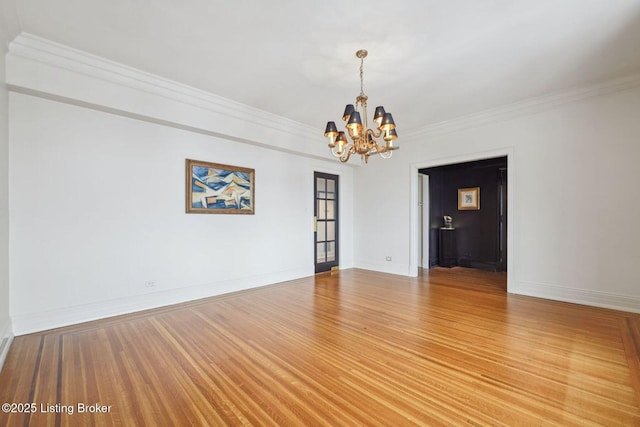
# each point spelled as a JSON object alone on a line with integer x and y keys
{"x": 447, "y": 248}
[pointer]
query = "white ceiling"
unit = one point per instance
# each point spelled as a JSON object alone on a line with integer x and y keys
{"x": 429, "y": 60}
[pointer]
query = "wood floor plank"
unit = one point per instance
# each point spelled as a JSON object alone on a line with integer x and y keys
{"x": 630, "y": 332}
{"x": 450, "y": 347}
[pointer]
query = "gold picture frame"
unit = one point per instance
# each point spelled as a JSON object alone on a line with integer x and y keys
{"x": 214, "y": 188}
{"x": 469, "y": 199}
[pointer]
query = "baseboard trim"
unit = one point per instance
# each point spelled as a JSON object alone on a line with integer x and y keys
{"x": 388, "y": 268}
{"x": 5, "y": 341}
{"x": 578, "y": 296}
{"x": 41, "y": 321}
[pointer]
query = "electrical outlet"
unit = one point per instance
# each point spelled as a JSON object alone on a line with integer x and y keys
{"x": 388, "y": 258}
{"x": 149, "y": 284}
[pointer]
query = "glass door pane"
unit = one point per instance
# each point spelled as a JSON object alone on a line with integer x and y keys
{"x": 326, "y": 221}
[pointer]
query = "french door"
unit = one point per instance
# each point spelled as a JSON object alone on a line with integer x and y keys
{"x": 325, "y": 190}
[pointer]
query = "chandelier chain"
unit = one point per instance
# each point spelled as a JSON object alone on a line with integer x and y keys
{"x": 361, "y": 76}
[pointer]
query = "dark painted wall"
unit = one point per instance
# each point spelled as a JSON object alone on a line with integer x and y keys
{"x": 477, "y": 232}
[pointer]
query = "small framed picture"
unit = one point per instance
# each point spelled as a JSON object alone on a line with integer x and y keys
{"x": 214, "y": 188}
{"x": 469, "y": 199}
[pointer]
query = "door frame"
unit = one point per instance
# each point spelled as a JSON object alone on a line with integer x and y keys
{"x": 415, "y": 231}
{"x": 423, "y": 247}
{"x": 328, "y": 265}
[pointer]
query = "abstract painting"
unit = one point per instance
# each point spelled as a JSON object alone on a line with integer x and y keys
{"x": 219, "y": 189}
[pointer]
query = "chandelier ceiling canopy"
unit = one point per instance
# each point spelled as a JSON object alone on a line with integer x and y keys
{"x": 363, "y": 139}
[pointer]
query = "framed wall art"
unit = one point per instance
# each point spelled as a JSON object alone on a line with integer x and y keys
{"x": 214, "y": 188}
{"x": 469, "y": 199}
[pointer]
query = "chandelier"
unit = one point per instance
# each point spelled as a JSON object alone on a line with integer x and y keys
{"x": 363, "y": 139}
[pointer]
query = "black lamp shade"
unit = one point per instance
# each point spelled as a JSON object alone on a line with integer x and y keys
{"x": 379, "y": 114}
{"x": 347, "y": 112}
{"x": 387, "y": 122}
{"x": 341, "y": 139}
{"x": 331, "y": 130}
{"x": 354, "y": 121}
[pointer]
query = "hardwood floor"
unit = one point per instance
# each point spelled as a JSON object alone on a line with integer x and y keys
{"x": 355, "y": 348}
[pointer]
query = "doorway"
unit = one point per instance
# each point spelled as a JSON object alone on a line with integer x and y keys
{"x": 475, "y": 236}
{"x": 415, "y": 226}
{"x": 325, "y": 214}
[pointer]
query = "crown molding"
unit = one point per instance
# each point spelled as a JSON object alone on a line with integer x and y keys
{"x": 52, "y": 53}
{"x": 44, "y": 52}
{"x": 525, "y": 107}
{"x": 35, "y": 65}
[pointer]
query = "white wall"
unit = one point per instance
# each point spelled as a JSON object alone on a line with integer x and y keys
{"x": 97, "y": 208}
{"x": 7, "y": 25}
{"x": 573, "y": 181}
{"x": 97, "y": 183}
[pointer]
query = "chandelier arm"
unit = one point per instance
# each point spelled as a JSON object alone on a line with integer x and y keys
{"x": 345, "y": 157}
{"x": 378, "y": 148}
{"x": 387, "y": 154}
{"x": 334, "y": 152}
{"x": 373, "y": 143}
{"x": 374, "y": 134}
